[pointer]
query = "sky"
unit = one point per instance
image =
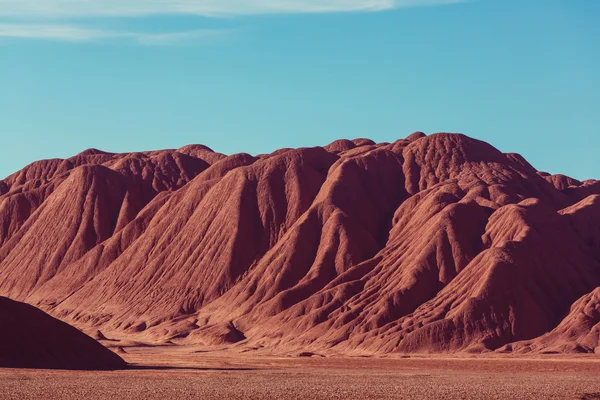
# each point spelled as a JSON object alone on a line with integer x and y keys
{"x": 257, "y": 75}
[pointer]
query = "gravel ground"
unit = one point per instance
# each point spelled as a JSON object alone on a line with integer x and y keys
{"x": 232, "y": 376}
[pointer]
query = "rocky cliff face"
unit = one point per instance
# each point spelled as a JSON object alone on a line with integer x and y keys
{"x": 435, "y": 243}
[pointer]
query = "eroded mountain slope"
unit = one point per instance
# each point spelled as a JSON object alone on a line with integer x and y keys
{"x": 428, "y": 244}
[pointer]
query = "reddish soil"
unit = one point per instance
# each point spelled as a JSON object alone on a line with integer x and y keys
{"x": 161, "y": 373}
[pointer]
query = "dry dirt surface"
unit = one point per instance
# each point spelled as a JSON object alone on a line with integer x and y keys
{"x": 181, "y": 374}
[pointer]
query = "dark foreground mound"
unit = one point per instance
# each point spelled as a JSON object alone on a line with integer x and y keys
{"x": 30, "y": 338}
{"x": 436, "y": 243}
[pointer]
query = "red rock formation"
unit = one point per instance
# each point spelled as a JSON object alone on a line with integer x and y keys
{"x": 30, "y": 338}
{"x": 578, "y": 332}
{"x": 428, "y": 244}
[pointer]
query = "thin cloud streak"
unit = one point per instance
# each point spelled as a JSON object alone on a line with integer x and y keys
{"x": 70, "y": 33}
{"x": 175, "y": 38}
{"x": 210, "y": 8}
{"x": 50, "y": 13}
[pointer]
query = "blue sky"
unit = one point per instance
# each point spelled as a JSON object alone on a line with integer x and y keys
{"x": 257, "y": 75}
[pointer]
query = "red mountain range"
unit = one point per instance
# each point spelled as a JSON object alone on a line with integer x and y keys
{"x": 436, "y": 243}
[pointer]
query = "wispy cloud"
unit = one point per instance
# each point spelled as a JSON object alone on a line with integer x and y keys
{"x": 51, "y": 14}
{"x": 94, "y": 8}
{"x": 52, "y": 32}
{"x": 174, "y": 38}
{"x": 71, "y": 33}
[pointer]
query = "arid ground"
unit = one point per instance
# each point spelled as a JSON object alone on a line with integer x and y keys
{"x": 164, "y": 373}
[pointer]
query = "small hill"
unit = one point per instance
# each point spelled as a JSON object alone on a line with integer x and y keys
{"x": 30, "y": 338}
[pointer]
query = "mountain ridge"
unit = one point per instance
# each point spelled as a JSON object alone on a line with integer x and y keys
{"x": 433, "y": 243}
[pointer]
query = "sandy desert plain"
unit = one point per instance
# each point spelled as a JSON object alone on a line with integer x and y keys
{"x": 186, "y": 373}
